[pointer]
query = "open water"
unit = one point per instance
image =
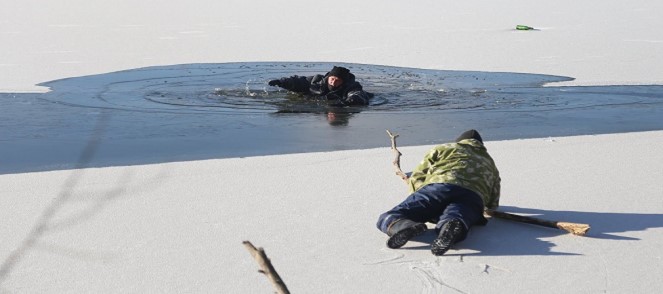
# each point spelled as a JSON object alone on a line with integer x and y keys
{"x": 204, "y": 111}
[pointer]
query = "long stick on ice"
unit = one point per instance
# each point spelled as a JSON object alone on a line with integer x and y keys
{"x": 573, "y": 228}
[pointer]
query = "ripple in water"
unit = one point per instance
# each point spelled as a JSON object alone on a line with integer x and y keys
{"x": 239, "y": 88}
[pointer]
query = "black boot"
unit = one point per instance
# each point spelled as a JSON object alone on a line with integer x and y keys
{"x": 402, "y": 230}
{"x": 451, "y": 232}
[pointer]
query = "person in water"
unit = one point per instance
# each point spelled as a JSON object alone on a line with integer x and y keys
{"x": 337, "y": 86}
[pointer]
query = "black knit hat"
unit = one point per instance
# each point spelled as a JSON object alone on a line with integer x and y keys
{"x": 340, "y": 72}
{"x": 471, "y": 134}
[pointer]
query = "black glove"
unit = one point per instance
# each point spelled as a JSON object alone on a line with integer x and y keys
{"x": 274, "y": 83}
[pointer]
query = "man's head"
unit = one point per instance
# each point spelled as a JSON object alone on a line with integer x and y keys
{"x": 337, "y": 76}
{"x": 471, "y": 134}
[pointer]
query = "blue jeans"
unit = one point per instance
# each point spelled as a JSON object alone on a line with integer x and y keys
{"x": 437, "y": 203}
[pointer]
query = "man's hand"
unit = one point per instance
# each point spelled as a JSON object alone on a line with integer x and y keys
{"x": 274, "y": 83}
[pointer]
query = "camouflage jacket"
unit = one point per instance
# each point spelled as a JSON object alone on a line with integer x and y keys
{"x": 466, "y": 164}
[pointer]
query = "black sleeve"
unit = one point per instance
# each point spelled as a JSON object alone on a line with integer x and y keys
{"x": 299, "y": 84}
{"x": 356, "y": 96}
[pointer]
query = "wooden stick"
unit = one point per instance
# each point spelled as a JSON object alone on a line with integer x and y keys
{"x": 266, "y": 267}
{"x": 397, "y": 160}
{"x": 573, "y": 228}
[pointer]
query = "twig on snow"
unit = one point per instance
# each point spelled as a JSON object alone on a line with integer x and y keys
{"x": 266, "y": 267}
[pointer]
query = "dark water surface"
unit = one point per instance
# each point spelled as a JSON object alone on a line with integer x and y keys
{"x": 202, "y": 111}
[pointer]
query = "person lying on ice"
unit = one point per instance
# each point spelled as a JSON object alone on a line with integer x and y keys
{"x": 338, "y": 85}
{"x": 450, "y": 188}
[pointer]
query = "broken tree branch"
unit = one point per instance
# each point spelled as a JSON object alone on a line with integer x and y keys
{"x": 397, "y": 159}
{"x": 573, "y": 228}
{"x": 266, "y": 267}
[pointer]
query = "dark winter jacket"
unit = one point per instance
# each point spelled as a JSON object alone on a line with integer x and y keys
{"x": 349, "y": 93}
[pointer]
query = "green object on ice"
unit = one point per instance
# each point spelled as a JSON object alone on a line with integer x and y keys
{"x": 523, "y": 28}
